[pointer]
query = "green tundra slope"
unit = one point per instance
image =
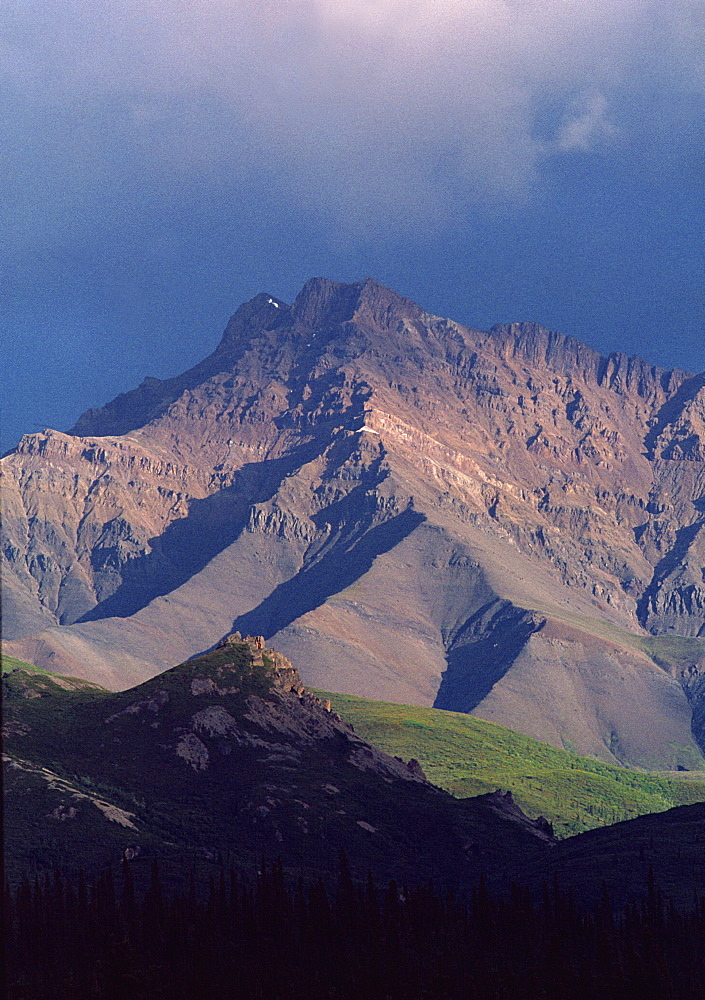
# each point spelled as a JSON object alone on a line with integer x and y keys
{"x": 43, "y": 681}
{"x": 10, "y": 663}
{"x": 467, "y": 756}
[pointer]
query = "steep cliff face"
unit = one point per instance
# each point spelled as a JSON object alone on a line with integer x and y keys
{"x": 393, "y": 496}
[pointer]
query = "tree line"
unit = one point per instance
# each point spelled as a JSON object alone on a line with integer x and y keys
{"x": 268, "y": 939}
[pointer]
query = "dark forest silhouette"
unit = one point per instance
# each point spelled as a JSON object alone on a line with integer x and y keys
{"x": 268, "y": 940}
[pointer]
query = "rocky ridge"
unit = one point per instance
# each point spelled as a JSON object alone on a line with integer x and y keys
{"x": 503, "y": 522}
{"x": 229, "y": 757}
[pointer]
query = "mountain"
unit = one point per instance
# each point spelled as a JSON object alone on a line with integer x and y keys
{"x": 227, "y": 759}
{"x": 499, "y": 522}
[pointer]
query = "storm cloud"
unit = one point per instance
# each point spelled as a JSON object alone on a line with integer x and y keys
{"x": 495, "y": 159}
{"x": 408, "y": 108}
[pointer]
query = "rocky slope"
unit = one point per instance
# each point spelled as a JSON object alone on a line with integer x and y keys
{"x": 227, "y": 759}
{"x": 501, "y": 522}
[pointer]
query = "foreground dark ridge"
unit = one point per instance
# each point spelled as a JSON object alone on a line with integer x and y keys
{"x": 228, "y": 759}
{"x": 225, "y": 759}
{"x": 500, "y": 522}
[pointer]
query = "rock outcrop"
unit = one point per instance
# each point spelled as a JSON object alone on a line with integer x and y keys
{"x": 503, "y": 522}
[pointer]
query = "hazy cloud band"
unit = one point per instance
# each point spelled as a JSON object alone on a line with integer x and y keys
{"x": 404, "y": 107}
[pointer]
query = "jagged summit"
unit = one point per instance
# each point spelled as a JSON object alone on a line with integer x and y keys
{"x": 494, "y": 521}
{"x": 263, "y": 312}
{"x": 333, "y": 321}
{"x": 322, "y": 302}
{"x": 241, "y": 667}
{"x": 259, "y": 334}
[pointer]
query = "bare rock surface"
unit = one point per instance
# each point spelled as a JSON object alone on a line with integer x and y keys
{"x": 502, "y": 522}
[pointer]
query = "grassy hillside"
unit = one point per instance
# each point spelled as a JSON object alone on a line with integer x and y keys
{"x": 462, "y": 754}
{"x": 9, "y": 663}
{"x": 468, "y": 756}
{"x": 31, "y": 682}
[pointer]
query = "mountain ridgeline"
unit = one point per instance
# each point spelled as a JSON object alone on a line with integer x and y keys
{"x": 499, "y": 522}
{"x": 224, "y": 760}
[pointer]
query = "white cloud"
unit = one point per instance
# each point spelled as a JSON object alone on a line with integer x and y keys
{"x": 587, "y": 125}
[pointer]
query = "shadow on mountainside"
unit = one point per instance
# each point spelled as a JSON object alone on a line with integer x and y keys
{"x": 216, "y": 522}
{"x": 189, "y": 544}
{"x": 671, "y": 411}
{"x": 344, "y": 562}
{"x": 482, "y": 652}
{"x": 675, "y": 557}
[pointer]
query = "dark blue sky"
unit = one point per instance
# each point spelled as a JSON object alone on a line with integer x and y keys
{"x": 495, "y": 160}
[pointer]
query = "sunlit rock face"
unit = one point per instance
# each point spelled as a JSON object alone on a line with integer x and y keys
{"x": 492, "y": 521}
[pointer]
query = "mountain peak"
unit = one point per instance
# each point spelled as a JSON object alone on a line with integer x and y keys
{"x": 322, "y": 302}
{"x": 262, "y": 312}
{"x": 270, "y": 481}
